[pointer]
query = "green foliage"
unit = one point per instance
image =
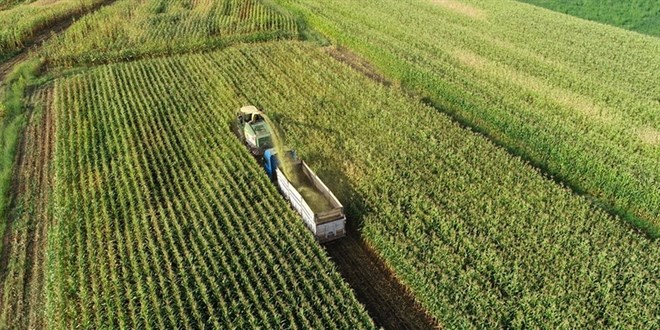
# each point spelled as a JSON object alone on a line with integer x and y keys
{"x": 156, "y": 198}
{"x": 576, "y": 99}
{"x": 29, "y": 219}
{"x": 164, "y": 219}
{"x": 21, "y": 22}
{"x": 133, "y": 29}
{"x": 12, "y": 120}
{"x": 6, "y": 4}
{"x": 636, "y": 15}
{"x": 478, "y": 235}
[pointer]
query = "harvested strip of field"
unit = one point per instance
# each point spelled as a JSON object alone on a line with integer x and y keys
{"x": 569, "y": 95}
{"x": 21, "y": 22}
{"x": 22, "y": 296}
{"x": 477, "y": 235}
{"x": 164, "y": 220}
{"x": 158, "y": 27}
{"x": 389, "y": 303}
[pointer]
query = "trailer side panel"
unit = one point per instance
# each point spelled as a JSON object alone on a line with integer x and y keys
{"x": 326, "y": 226}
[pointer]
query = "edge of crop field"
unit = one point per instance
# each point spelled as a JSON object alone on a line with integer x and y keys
{"x": 641, "y": 25}
{"x": 13, "y": 110}
{"x": 644, "y": 226}
{"x": 8, "y": 56}
{"x": 305, "y": 31}
{"x": 89, "y": 60}
{"x": 55, "y": 22}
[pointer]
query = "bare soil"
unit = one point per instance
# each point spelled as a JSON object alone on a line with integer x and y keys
{"x": 388, "y": 301}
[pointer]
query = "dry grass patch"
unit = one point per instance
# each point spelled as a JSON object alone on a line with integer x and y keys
{"x": 650, "y": 136}
{"x": 586, "y": 106}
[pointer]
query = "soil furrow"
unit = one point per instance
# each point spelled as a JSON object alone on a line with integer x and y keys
{"x": 388, "y": 301}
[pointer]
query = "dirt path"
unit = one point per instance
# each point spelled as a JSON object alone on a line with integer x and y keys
{"x": 23, "y": 254}
{"x": 6, "y": 67}
{"x": 388, "y": 302}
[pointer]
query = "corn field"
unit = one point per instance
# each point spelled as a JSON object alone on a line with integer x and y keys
{"x": 19, "y": 23}
{"x": 482, "y": 239}
{"x": 133, "y": 29}
{"x": 155, "y": 199}
{"x": 164, "y": 220}
{"x": 576, "y": 98}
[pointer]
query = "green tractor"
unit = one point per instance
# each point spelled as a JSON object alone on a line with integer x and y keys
{"x": 253, "y": 130}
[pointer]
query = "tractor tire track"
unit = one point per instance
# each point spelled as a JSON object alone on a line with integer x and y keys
{"x": 388, "y": 301}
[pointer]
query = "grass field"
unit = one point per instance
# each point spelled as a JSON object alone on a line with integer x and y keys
{"x": 636, "y": 15}
{"x": 22, "y": 21}
{"x": 577, "y": 99}
{"x": 169, "y": 221}
{"x": 160, "y": 27}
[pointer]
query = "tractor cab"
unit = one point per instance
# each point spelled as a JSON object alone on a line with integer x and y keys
{"x": 253, "y": 127}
